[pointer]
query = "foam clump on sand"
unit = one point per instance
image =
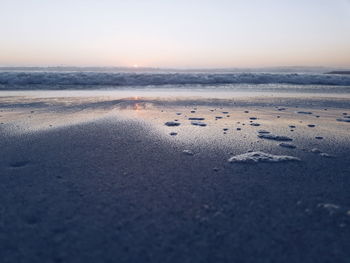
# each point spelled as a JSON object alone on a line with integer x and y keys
{"x": 198, "y": 123}
{"x": 187, "y": 152}
{"x": 331, "y": 208}
{"x": 315, "y": 150}
{"x": 172, "y": 123}
{"x": 287, "y": 145}
{"x": 343, "y": 120}
{"x": 196, "y": 119}
{"x": 326, "y": 155}
{"x": 323, "y": 154}
{"x": 256, "y": 157}
{"x": 304, "y": 112}
{"x": 263, "y": 132}
{"x": 274, "y": 137}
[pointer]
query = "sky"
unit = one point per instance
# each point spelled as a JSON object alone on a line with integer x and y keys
{"x": 175, "y": 33}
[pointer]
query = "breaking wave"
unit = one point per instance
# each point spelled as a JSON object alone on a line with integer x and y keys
{"x": 145, "y": 79}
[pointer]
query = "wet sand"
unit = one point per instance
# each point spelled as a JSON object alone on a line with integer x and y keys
{"x": 102, "y": 179}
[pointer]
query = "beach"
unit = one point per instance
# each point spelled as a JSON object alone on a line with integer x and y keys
{"x": 184, "y": 131}
{"x": 153, "y": 176}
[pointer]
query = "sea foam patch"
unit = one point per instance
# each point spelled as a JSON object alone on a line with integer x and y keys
{"x": 172, "y": 123}
{"x": 343, "y": 120}
{"x": 256, "y": 157}
{"x": 198, "y": 123}
{"x": 287, "y": 145}
{"x": 274, "y": 137}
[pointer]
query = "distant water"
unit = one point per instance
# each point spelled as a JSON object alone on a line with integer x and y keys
{"x": 255, "y": 81}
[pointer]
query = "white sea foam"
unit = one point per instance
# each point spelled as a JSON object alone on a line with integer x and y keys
{"x": 287, "y": 145}
{"x": 274, "y": 137}
{"x": 256, "y": 157}
{"x": 331, "y": 208}
{"x": 343, "y": 120}
{"x": 304, "y": 112}
{"x": 320, "y": 153}
{"x": 172, "y": 123}
{"x": 196, "y": 119}
{"x": 187, "y": 152}
{"x": 326, "y": 155}
{"x": 198, "y": 123}
{"x": 315, "y": 150}
{"x": 263, "y": 132}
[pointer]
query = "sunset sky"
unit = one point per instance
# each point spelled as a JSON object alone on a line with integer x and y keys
{"x": 175, "y": 33}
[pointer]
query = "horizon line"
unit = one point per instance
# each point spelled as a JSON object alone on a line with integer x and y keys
{"x": 174, "y": 68}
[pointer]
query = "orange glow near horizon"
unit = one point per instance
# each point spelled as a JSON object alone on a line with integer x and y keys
{"x": 175, "y": 34}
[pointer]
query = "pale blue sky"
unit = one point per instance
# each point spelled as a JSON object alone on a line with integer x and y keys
{"x": 177, "y": 33}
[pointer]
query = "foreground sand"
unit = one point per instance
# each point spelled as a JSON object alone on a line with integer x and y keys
{"x": 102, "y": 180}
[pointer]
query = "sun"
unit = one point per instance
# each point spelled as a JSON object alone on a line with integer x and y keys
{"x": 135, "y": 66}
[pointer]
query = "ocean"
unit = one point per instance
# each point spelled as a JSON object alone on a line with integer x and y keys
{"x": 85, "y": 79}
